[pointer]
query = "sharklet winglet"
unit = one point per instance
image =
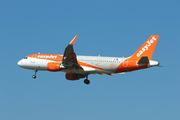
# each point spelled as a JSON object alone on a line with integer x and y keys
{"x": 73, "y": 40}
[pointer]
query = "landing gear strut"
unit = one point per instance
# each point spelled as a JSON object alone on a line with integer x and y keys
{"x": 86, "y": 81}
{"x": 34, "y": 76}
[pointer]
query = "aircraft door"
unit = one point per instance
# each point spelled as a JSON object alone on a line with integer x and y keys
{"x": 125, "y": 63}
{"x": 32, "y": 59}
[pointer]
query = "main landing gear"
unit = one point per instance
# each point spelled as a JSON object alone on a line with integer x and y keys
{"x": 78, "y": 76}
{"x": 34, "y": 76}
{"x": 86, "y": 81}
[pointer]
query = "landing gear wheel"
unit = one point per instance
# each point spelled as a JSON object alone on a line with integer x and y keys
{"x": 34, "y": 76}
{"x": 86, "y": 81}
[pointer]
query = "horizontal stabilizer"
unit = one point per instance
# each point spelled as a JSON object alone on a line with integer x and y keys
{"x": 143, "y": 60}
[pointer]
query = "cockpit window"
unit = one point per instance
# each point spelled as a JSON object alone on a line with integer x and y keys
{"x": 25, "y": 57}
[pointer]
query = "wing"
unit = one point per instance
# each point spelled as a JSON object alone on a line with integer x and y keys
{"x": 69, "y": 58}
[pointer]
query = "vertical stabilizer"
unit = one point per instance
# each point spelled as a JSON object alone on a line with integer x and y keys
{"x": 146, "y": 49}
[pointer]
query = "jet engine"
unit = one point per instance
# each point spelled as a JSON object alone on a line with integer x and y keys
{"x": 74, "y": 76}
{"x": 53, "y": 67}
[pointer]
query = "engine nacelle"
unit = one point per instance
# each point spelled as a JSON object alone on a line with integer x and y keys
{"x": 70, "y": 76}
{"x": 74, "y": 76}
{"x": 53, "y": 67}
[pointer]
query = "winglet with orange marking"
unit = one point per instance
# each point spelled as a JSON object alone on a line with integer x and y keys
{"x": 146, "y": 49}
{"x": 73, "y": 40}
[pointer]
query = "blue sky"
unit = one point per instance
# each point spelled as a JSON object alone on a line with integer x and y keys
{"x": 106, "y": 28}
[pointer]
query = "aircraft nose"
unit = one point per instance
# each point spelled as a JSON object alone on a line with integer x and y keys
{"x": 20, "y": 63}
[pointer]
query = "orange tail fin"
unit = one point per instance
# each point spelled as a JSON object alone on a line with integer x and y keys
{"x": 146, "y": 49}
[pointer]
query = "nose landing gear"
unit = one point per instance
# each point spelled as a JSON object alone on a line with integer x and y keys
{"x": 34, "y": 76}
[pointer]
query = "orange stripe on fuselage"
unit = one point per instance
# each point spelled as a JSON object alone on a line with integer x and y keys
{"x": 88, "y": 65}
{"x": 130, "y": 66}
{"x": 51, "y": 57}
{"x": 57, "y": 58}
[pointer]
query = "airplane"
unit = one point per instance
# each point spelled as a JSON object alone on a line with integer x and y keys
{"x": 79, "y": 66}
